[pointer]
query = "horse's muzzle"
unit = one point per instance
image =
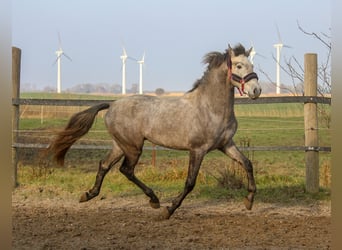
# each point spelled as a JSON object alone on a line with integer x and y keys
{"x": 252, "y": 89}
{"x": 256, "y": 93}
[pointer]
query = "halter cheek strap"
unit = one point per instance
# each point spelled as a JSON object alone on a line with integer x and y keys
{"x": 237, "y": 78}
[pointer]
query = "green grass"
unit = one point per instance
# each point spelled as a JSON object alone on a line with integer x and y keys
{"x": 270, "y": 110}
{"x": 279, "y": 179}
{"x": 275, "y": 184}
{"x": 36, "y": 124}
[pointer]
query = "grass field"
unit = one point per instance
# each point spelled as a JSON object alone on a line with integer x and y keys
{"x": 280, "y": 176}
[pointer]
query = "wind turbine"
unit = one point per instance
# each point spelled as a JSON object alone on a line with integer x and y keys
{"x": 141, "y": 63}
{"x": 253, "y": 53}
{"x": 59, "y": 54}
{"x": 124, "y": 58}
{"x": 278, "y": 47}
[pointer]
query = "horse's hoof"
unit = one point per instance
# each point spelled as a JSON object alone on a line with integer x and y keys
{"x": 164, "y": 214}
{"x": 84, "y": 197}
{"x": 248, "y": 203}
{"x": 154, "y": 204}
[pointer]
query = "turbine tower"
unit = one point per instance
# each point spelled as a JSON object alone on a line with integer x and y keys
{"x": 124, "y": 58}
{"x": 141, "y": 63}
{"x": 278, "y": 47}
{"x": 59, "y": 54}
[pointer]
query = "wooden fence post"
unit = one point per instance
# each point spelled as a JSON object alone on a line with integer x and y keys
{"x": 311, "y": 124}
{"x": 16, "y": 61}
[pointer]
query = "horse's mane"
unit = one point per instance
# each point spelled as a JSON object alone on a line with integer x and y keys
{"x": 214, "y": 59}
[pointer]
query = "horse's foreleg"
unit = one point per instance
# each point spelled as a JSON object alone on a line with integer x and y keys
{"x": 232, "y": 151}
{"x": 127, "y": 168}
{"x": 104, "y": 166}
{"x": 194, "y": 166}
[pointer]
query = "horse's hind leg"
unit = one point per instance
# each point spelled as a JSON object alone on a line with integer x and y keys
{"x": 104, "y": 166}
{"x": 127, "y": 168}
{"x": 232, "y": 151}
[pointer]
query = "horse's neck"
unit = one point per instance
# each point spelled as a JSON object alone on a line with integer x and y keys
{"x": 215, "y": 93}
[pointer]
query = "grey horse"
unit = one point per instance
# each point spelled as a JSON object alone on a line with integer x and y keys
{"x": 200, "y": 121}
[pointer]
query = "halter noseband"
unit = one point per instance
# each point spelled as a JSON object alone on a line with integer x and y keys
{"x": 237, "y": 78}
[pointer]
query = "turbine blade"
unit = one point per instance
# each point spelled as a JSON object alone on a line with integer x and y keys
{"x": 59, "y": 40}
{"x": 132, "y": 58}
{"x": 53, "y": 64}
{"x": 260, "y": 55}
{"x": 278, "y": 32}
{"x": 67, "y": 56}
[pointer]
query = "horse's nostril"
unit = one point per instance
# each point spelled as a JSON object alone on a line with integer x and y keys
{"x": 257, "y": 91}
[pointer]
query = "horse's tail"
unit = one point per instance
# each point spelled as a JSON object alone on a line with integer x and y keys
{"x": 78, "y": 125}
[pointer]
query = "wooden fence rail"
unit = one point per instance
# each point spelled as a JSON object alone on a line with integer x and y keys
{"x": 310, "y": 100}
{"x": 238, "y": 100}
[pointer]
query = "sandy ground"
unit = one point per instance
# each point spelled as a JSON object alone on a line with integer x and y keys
{"x": 130, "y": 223}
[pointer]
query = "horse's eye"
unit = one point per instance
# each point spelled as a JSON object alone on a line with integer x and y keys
{"x": 239, "y": 66}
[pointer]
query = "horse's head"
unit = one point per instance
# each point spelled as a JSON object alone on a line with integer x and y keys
{"x": 240, "y": 71}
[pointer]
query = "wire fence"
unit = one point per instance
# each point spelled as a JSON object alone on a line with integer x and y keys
{"x": 50, "y": 115}
{"x": 310, "y": 101}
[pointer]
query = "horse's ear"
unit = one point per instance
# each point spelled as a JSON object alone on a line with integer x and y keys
{"x": 249, "y": 51}
{"x": 229, "y": 56}
{"x": 230, "y": 51}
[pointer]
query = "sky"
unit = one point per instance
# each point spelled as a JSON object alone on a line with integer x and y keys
{"x": 175, "y": 35}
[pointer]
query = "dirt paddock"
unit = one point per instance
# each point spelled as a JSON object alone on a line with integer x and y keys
{"x": 129, "y": 223}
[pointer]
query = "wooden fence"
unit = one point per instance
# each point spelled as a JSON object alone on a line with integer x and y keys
{"x": 310, "y": 100}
